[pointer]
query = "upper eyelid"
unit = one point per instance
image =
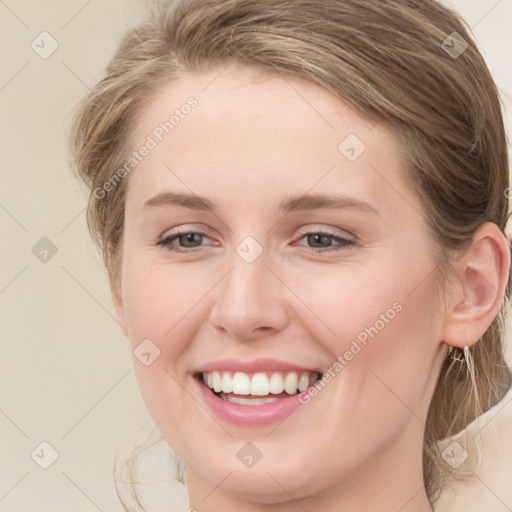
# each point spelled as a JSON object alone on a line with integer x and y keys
{"x": 320, "y": 229}
{"x": 314, "y": 228}
{"x": 180, "y": 230}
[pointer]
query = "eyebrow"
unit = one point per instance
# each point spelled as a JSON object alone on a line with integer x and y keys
{"x": 290, "y": 204}
{"x": 191, "y": 201}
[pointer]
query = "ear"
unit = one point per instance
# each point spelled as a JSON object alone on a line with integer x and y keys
{"x": 479, "y": 287}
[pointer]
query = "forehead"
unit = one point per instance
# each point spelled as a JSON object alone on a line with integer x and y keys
{"x": 244, "y": 100}
{"x": 250, "y": 128}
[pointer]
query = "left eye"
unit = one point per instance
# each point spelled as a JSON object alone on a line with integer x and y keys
{"x": 321, "y": 241}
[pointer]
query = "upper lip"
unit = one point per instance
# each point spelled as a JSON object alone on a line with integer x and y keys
{"x": 257, "y": 365}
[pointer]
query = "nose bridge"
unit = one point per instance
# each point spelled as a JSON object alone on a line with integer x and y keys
{"x": 249, "y": 301}
{"x": 247, "y": 278}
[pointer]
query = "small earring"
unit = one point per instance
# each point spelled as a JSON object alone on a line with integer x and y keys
{"x": 469, "y": 360}
{"x": 461, "y": 354}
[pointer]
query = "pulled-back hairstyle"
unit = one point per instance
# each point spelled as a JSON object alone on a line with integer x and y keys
{"x": 395, "y": 62}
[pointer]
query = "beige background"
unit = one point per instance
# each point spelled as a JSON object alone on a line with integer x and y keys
{"x": 66, "y": 371}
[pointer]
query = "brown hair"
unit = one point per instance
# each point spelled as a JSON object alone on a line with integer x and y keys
{"x": 396, "y": 62}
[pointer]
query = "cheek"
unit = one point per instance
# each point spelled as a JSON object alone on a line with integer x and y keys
{"x": 383, "y": 350}
{"x": 378, "y": 325}
{"x": 162, "y": 311}
{"x": 159, "y": 302}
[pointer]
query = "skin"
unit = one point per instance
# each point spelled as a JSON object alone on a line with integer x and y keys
{"x": 255, "y": 139}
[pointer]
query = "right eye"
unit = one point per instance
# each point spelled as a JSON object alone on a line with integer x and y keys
{"x": 186, "y": 240}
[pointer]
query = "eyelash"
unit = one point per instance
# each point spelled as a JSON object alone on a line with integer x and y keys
{"x": 344, "y": 243}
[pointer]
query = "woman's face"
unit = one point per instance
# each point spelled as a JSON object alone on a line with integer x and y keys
{"x": 307, "y": 252}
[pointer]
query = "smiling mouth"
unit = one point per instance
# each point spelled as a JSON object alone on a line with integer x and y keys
{"x": 257, "y": 388}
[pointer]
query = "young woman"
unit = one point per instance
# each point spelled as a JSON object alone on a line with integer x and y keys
{"x": 302, "y": 208}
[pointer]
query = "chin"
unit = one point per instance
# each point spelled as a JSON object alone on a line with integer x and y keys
{"x": 268, "y": 481}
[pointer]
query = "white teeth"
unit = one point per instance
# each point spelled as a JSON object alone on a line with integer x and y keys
{"x": 258, "y": 384}
{"x": 248, "y": 401}
{"x": 290, "y": 383}
{"x": 217, "y": 382}
{"x": 241, "y": 384}
{"x": 276, "y": 384}
{"x": 303, "y": 382}
{"x": 227, "y": 383}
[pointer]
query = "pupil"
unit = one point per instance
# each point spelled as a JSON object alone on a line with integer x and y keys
{"x": 319, "y": 238}
{"x": 190, "y": 237}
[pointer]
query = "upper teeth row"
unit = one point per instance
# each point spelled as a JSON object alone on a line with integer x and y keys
{"x": 259, "y": 384}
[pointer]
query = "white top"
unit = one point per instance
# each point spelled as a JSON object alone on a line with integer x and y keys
{"x": 491, "y": 489}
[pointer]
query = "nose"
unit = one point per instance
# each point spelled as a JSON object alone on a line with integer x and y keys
{"x": 251, "y": 303}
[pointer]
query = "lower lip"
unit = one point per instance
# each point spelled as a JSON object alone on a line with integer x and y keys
{"x": 247, "y": 415}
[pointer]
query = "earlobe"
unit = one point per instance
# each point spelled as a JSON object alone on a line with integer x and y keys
{"x": 479, "y": 288}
